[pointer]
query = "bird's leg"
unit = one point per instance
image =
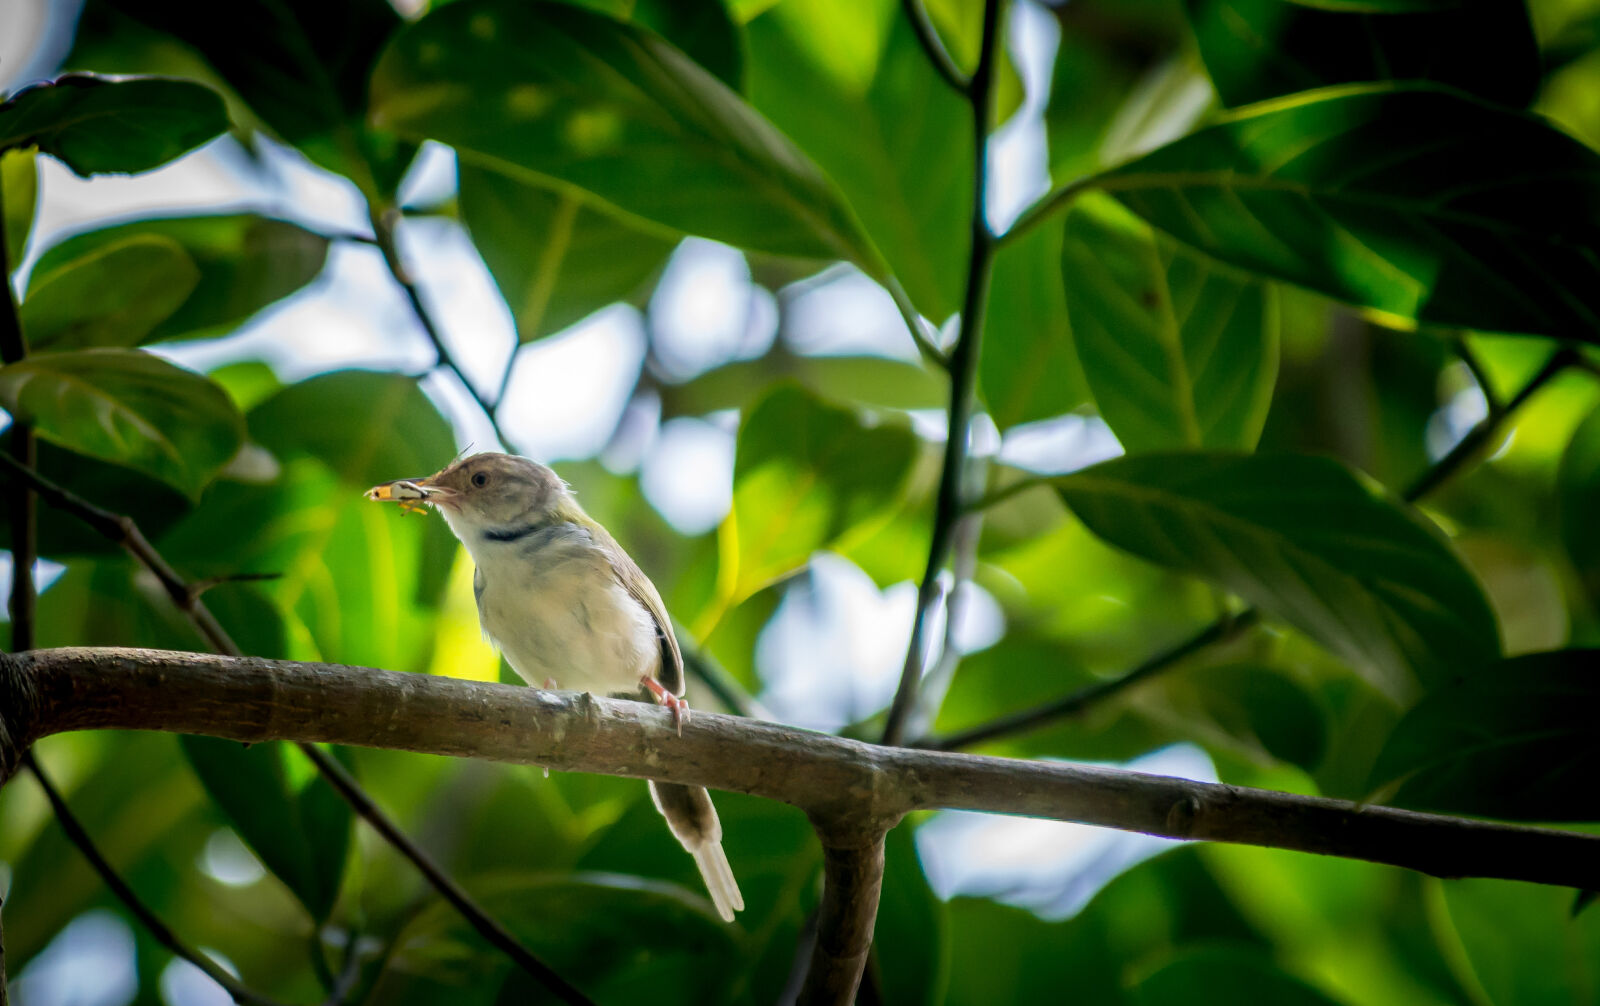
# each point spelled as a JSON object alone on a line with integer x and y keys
{"x": 679, "y": 708}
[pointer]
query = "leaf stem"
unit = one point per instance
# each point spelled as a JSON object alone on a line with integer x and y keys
{"x": 1057, "y": 200}
{"x": 938, "y": 55}
{"x": 963, "y": 379}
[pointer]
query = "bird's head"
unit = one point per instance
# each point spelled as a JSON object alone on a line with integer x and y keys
{"x": 484, "y": 492}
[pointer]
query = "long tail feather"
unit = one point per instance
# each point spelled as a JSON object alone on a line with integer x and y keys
{"x": 694, "y": 823}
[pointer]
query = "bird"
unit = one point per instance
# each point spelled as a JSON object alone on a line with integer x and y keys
{"x": 567, "y": 606}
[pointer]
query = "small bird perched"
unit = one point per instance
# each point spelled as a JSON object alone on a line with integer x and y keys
{"x": 564, "y": 602}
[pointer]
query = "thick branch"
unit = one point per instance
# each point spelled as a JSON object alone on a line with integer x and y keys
{"x": 852, "y": 787}
{"x": 852, "y": 879}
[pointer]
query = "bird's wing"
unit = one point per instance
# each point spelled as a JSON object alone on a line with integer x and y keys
{"x": 642, "y": 590}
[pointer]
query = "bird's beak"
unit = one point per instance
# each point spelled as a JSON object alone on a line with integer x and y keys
{"x": 410, "y": 493}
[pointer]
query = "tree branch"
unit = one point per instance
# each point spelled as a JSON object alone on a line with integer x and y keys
{"x": 147, "y": 917}
{"x": 849, "y": 788}
{"x": 963, "y": 379}
{"x": 852, "y": 872}
{"x": 125, "y": 532}
{"x": 938, "y": 55}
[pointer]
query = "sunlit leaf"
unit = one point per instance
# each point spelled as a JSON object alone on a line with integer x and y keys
{"x": 1339, "y": 191}
{"x": 1259, "y": 49}
{"x": 1180, "y": 352}
{"x": 1219, "y": 976}
{"x": 113, "y": 295}
{"x": 1510, "y": 739}
{"x": 246, "y": 263}
{"x": 870, "y": 380}
{"x": 1309, "y": 541}
{"x": 94, "y": 125}
{"x": 127, "y": 406}
{"x": 1029, "y": 369}
{"x": 19, "y": 188}
{"x": 553, "y": 92}
{"x": 556, "y": 258}
{"x": 804, "y": 474}
{"x": 302, "y": 836}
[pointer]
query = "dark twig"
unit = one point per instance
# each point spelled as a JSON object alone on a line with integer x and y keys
{"x": 1228, "y": 627}
{"x": 130, "y": 900}
{"x": 852, "y": 873}
{"x": 1480, "y": 375}
{"x": 938, "y": 55}
{"x": 963, "y": 380}
{"x": 125, "y": 532}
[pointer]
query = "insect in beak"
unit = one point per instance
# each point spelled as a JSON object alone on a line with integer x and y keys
{"x": 411, "y": 494}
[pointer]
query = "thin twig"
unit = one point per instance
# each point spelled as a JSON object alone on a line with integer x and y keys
{"x": 1227, "y": 627}
{"x": 1480, "y": 375}
{"x": 938, "y": 55}
{"x": 125, "y": 532}
{"x": 149, "y": 919}
{"x": 1041, "y": 210}
{"x": 963, "y": 379}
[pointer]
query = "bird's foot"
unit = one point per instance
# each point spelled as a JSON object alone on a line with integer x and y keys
{"x": 678, "y": 707}
{"x": 550, "y": 684}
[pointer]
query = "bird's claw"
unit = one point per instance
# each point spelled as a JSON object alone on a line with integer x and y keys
{"x": 675, "y": 705}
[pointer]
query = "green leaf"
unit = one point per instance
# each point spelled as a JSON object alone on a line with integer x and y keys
{"x": 113, "y": 295}
{"x": 1259, "y": 49}
{"x": 1510, "y": 739}
{"x": 1224, "y": 976}
{"x": 911, "y": 940}
{"x": 1178, "y": 351}
{"x": 806, "y": 473}
{"x": 366, "y": 427}
{"x": 302, "y": 836}
{"x": 1029, "y": 369}
{"x": 127, "y": 406}
{"x": 550, "y": 92}
{"x": 1517, "y": 943}
{"x": 556, "y": 258}
{"x": 704, "y": 31}
{"x": 246, "y": 263}
{"x": 1339, "y": 191}
{"x": 93, "y": 125}
{"x": 1578, "y": 500}
{"x": 870, "y": 380}
{"x": 304, "y": 71}
{"x": 1308, "y": 540}
{"x": 1263, "y": 703}
{"x": 19, "y": 189}
{"x": 900, "y": 150}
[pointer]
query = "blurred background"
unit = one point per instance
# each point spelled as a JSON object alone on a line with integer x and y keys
{"x": 640, "y": 388}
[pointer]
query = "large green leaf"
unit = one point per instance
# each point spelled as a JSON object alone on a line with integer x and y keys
{"x": 1180, "y": 352}
{"x": 1518, "y": 943}
{"x": 1307, "y": 539}
{"x": 246, "y": 262}
{"x": 550, "y": 92}
{"x": 704, "y": 31}
{"x": 127, "y": 406}
{"x": 1509, "y": 739}
{"x": 556, "y": 258}
{"x": 113, "y": 295}
{"x": 806, "y": 473}
{"x": 93, "y": 125}
{"x": 1223, "y": 976}
{"x": 1029, "y": 369}
{"x": 301, "y": 65}
{"x": 301, "y": 835}
{"x": 1340, "y": 191}
{"x": 1259, "y": 49}
{"x": 1578, "y": 497}
{"x": 900, "y": 150}
{"x": 19, "y": 189}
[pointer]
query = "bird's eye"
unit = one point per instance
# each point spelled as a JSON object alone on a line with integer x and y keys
{"x": 480, "y": 479}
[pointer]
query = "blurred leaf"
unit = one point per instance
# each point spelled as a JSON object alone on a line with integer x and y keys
{"x": 367, "y": 427}
{"x": 152, "y": 504}
{"x": 618, "y": 938}
{"x": 1029, "y": 368}
{"x": 1308, "y": 540}
{"x": 246, "y": 262}
{"x": 1503, "y": 248}
{"x": 1578, "y": 499}
{"x": 1224, "y": 975}
{"x": 1178, "y": 352}
{"x": 113, "y": 295}
{"x": 909, "y": 944}
{"x": 1258, "y": 49}
{"x": 804, "y": 474}
{"x": 556, "y": 258}
{"x": 870, "y": 380}
{"x": 900, "y": 151}
{"x": 304, "y": 71}
{"x": 94, "y": 125}
{"x": 1262, "y": 702}
{"x": 19, "y": 188}
{"x": 1518, "y": 943}
{"x": 552, "y": 92}
{"x": 127, "y": 406}
{"x": 1511, "y": 739}
{"x": 704, "y": 31}
{"x": 302, "y": 837}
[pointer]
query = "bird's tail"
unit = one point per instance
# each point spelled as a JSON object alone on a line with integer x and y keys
{"x": 694, "y": 823}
